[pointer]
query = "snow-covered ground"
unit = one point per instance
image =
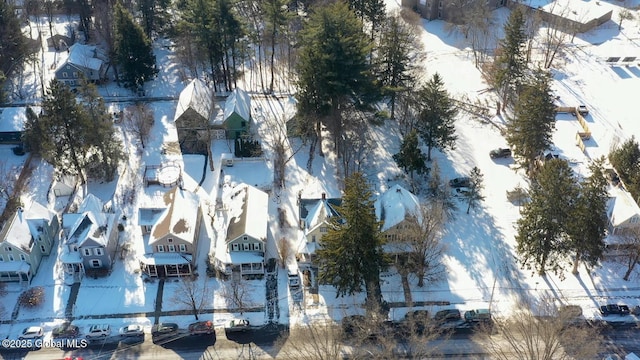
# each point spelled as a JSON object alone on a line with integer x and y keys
{"x": 482, "y": 270}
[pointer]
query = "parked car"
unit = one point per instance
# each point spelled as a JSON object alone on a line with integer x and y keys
{"x": 163, "y": 332}
{"x": 294, "y": 280}
{"x": 98, "y": 330}
{"x": 614, "y": 309}
{"x": 478, "y": 315}
{"x": 32, "y": 332}
{"x": 237, "y": 325}
{"x": 65, "y": 330}
{"x": 201, "y": 327}
{"x": 582, "y": 110}
{"x": 131, "y": 330}
{"x": 459, "y": 182}
{"x": 448, "y": 315}
{"x": 500, "y": 153}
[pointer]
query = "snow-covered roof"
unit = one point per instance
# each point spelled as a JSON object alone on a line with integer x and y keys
{"x": 319, "y": 211}
{"x": 26, "y": 224}
{"x": 578, "y": 10}
{"x": 12, "y": 119}
{"x": 165, "y": 258}
{"x": 197, "y": 96}
{"x": 84, "y": 56}
{"x": 395, "y": 205}
{"x": 248, "y": 210}
{"x": 238, "y": 102}
{"x": 15, "y": 266}
{"x": 621, "y": 207}
{"x": 89, "y": 223}
{"x": 179, "y": 216}
{"x": 70, "y": 257}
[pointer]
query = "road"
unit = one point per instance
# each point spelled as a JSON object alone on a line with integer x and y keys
{"x": 262, "y": 344}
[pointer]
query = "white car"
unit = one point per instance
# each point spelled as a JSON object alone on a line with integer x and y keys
{"x": 32, "y": 332}
{"x": 131, "y": 330}
{"x": 100, "y": 330}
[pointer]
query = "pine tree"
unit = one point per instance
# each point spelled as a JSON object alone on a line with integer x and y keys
{"x": 530, "y": 131}
{"x": 474, "y": 194}
{"x": 510, "y": 62}
{"x": 351, "y": 254}
{"x": 542, "y": 230}
{"x": 399, "y": 52}
{"x": 132, "y": 49}
{"x": 436, "y": 116}
{"x": 155, "y": 15}
{"x": 626, "y": 160}
{"x": 588, "y": 225}
{"x": 410, "y": 158}
{"x": 12, "y": 42}
{"x": 277, "y": 17}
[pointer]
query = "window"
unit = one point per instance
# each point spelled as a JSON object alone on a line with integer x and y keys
{"x": 11, "y": 257}
{"x": 7, "y": 248}
{"x": 245, "y": 238}
{"x": 22, "y": 257}
{"x": 183, "y": 248}
{"x": 98, "y": 251}
{"x": 258, "y": 246}
{"x": 313, "y": 238}
{"x": 87, "y": 252}
{"x": 95, "y": 263}
{"x": 160, "y": 248}
{"x": 65, "y": 74}
{"x": 74, "y": 248}
{"x": 172, "y": 248}
{"x": 146, "y": 228}
{"x": 75, "y": 74}
{"x": 1, "y": 258}
{"x": 245, "y": 247}
{"x": 235, "y": 247}
{"x": 43, "y": 249}
{"x": 170, "y": 240}
{"x": 323, "y": 229}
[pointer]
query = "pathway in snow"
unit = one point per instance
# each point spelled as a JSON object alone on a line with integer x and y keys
{"x": 273, "y": 311}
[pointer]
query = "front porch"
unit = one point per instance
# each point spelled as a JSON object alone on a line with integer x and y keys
{"x": 166, "y": 265}
{"x": 248, "y": 265}
{"x": 15, "y": 271}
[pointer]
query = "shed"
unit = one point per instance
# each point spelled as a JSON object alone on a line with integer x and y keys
{"x": 12, "y": 122}
{"x": 63, "y": 185}
{"x": 237, "y": 113}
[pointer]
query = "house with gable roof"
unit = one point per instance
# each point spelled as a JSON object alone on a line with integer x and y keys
{"x": 236, "y": 115}
{"x": 171, "y": 230}
{"x": 623, "y": 214}
{"x": 395, "y": 208}
{"x": 90, "y": 238}
{"x": 314, "y": 217}
{"x": 241, "y": 249}
{"x": 84, "y": 61}
{"x": 193, "y": 113}
{"x": 25, "y": 239}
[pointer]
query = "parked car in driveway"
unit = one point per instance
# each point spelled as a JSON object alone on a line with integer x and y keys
{"x": 237, "y": 325}
{"x": 582, "y": 110}
{"x": 459, "y": 182}
{"x": 163, "y": 332}
{"x": 448, "y": 315}
{"x": 98, "y": 330}
{"x": 65, "y": 330}
{"x": 500, "y": 153}
{"x": 614, "y": 309}
{"x": 32, "y": 332}
{"x": 201, "y": 327}
{"x": 131, "y": 330}
{"x": 478, "y": 315}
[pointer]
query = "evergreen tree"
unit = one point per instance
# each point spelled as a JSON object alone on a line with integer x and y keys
{"x": 155, "y": 16}
{"x": 588, "y": 225}
{"x": 230, "y": 31}
{"x": 510, "y": 62}
{"x": 132, "y": 49}
{"x": 440, "y": 193}
{"x": 333, "y": 70}
{"x": 371, "y": 11}
{"x": 199, "y": 34}
{"x": 626, "y": 160}
{"x": 436, "y": 116}
{"x": 277, "y": 17}
{"x": 410, "y": 158}
{"x": 398, "y": 54}
{"x": 12, "y": 42}
{"x": 530, "y": 131}
{"x": 542, "y": 230}
{"x": 351, "y": 252}
{"x": 474, "y": 194}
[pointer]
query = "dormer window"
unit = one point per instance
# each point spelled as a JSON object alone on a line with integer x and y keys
{"x": 8, "y": 248}
{"x": 170, "y": 240}
{"x": 245, "y": 238}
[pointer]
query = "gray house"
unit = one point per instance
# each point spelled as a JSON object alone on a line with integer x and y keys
{"x": 25, "y": 239}
{"x": 91, "y": 239}
{"x": 84, "y": 61}
{"x": 192, "y": 116}
{"x": 448, "y": 10}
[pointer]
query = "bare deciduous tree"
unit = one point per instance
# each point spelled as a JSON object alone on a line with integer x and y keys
{"x": 627, "y": 250}
{"x": 354, "y": 145}
{"x": 316, "y": 340}
{"x": 139, "y": 121}
{"x": 554, "y": 37}
{"x": 550, "y": 335}
{"x": 624, "y": 14}
{"x": 8, "y": 177}
{"x": 478, "y": 26}
{"x": 190, "y": 294}
{"x": 236, "y": 294}
{"x": 284, "y": 251}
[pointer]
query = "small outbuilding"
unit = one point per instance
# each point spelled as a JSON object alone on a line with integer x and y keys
{"x": 237, "y": 113}
{"x": 63, "y": 185}
{"x": 12, "y": 122}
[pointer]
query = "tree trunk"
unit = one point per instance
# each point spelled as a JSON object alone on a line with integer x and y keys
{"x": 575, "y": 264}
{"x": 632, "y": 265}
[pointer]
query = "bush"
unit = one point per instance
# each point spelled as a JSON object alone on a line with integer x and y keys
{"x": 32, "y": 297}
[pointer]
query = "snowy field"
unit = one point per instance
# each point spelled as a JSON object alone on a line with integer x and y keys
{"x": 482, "y": 271}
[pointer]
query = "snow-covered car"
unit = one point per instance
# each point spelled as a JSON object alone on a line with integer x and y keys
{"x": 32, "y": 332}
{"x": 131, "y": 330}
{"x": 464, "y": 181}
{"x": 98, "y": 330}
{"x": 500, "y": 153}
{"x": 237, "y": 325}
{"x": 201, "y": 327}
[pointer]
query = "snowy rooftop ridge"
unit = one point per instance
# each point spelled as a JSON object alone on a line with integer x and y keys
{"x": 248, "y": 211}
{"x": 197, "y": 96}
{"x": 621, "y": 206}
{"x": 90, "y": 222}
{"x": 238, "y": 102}
{"x": 24, "y": 224}
{"x": 85, "y": 56}
{"x": 395, "y": 205}
{"x": 179, "y": 216}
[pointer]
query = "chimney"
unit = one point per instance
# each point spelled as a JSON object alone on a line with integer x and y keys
{"x": 324, "y": 196}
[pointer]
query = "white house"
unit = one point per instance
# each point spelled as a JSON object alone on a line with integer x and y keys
{"x": 314, "y": 216}
{"x": 622, "y": 210}
{"x": 63, "y": 185}
{"x": 240, "y": 248}
{"x": 395, "y": 208}
{"x": 84, "y": 61}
